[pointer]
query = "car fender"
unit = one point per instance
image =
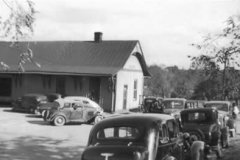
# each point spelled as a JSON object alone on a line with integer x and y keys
{"x": 95, "y": 114}
{"x": 197, "y": 150}
{"x": 58, "y": 114}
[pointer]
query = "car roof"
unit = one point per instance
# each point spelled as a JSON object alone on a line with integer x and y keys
{"x": 214, "y": 102}
{"x": 34, "y": 95}
{"x": 198, "y": 110}
{"x": 76, "y": 98}
{"x": 174, "y": 99}
{"x": 134, "y": 119}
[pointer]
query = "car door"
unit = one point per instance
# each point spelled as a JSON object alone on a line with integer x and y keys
{"x": 76, "y": 112}
{"x": 175, "y": 142}
{"x": 164, "y": 147}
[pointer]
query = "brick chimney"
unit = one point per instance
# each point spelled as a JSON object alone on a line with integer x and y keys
{"x": 97, "y": 37}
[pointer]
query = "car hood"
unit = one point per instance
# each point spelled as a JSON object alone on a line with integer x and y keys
{"x": 115, "y": 153}
{"x": 172, "y": 111}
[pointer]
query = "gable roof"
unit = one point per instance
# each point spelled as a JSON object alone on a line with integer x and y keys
{"x": 72, "y": 57}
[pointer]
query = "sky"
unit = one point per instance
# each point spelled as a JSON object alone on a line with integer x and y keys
{"x": 165, "y": 28}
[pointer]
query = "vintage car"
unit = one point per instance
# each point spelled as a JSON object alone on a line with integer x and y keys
{"x": 72, "y": 110}
{"x": 173, "y": 106}
{"x": 29, "y": 102}
{"x": 136, "y": 136}
{"x": 225, "y": 110}
{"x": 207, "y": 125}
{"x": 152, "y": 105}
{"x": 43, "y": 107}
{"x": 53, "y": 96}
{"x": 190, "y": 104}
{"x": 224, "y": 107}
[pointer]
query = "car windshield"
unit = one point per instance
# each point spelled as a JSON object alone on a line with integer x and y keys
{"x": 118, "y": 133}
{"x": 197, "y": 117}
{"x": 173, "y": 104}
{"x": 219, "y": 106}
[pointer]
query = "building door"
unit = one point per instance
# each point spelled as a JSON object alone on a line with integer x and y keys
{"x": 5, "y": 87}
{"x": 60, "y": 85}
{"x": 94, "y": 88}
{"x": 125, "y": 93}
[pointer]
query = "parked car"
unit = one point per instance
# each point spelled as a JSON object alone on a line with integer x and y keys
{"x": 53, "y": 96}
{"x": 136, "y": 136}
{"x": 43, "y": 107}
{"x": 29, "y": 102}
{"x": 152, "y": 105}
{"x": 207, "y": 125}
{"x": 225, "y": 110}
{"x": 190, "y": 104}
{"x": 74, "y": 110}
{"x": 173, "y": 106}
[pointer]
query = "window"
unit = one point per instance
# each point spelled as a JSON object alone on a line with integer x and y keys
{"x": 135, "y": 90}
{"x": 118, "y": 133}
{"x": 85, "y": 102}
{"x": 172, "y": 129}
{"x": 67, "y": 105}
{"x": 163, "y": 135}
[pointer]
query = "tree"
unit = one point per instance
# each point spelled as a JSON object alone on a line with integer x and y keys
{"x": 171, "y": 82}
{"x": 220, "y": 54}
{"x": 17, "y": 26}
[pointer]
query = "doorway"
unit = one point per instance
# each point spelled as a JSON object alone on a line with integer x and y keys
{"x": 60, "y": 86}
{"x": 6, "y": 87}
{"x": 94, "y": 88}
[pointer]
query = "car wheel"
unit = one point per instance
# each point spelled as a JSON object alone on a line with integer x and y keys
{"x": 59, "y": 121}
{"x": 97, "y": 119}
{"x": 43, "y": 112}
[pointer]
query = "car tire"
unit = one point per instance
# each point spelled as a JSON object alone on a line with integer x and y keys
{"x": 97, "y": 119}
{"x": 59, "y": 121}
{"x": 43, "y": 112}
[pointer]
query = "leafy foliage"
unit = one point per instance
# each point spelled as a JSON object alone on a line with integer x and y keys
{"x": 218, "y": 59}
{"x": 171, "y": 82}
{"x": 18, "y": 26}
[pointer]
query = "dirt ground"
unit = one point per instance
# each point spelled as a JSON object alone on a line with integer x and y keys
{"x": 28, "y": 137}
{"x": 233, "y": 152}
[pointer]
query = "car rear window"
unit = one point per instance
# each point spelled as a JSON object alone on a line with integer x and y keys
{"x": 198, "y": 117}
{"x": 118, "y": 133}
{"x": 173, "y": 104}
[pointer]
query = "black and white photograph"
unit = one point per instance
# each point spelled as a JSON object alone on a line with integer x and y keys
{"x": 119, "y": 79}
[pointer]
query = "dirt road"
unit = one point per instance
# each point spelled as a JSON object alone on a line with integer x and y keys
{"x": 233, "y": 152}
{"x": 27, "y": 137}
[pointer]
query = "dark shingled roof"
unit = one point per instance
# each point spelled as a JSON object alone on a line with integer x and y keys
{"x": 72, "y": 57}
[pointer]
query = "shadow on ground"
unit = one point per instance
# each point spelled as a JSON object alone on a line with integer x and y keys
{"x": 34, "y": 116}
{"x": 39, "y": 122}
{"x": 38, "y": 148}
